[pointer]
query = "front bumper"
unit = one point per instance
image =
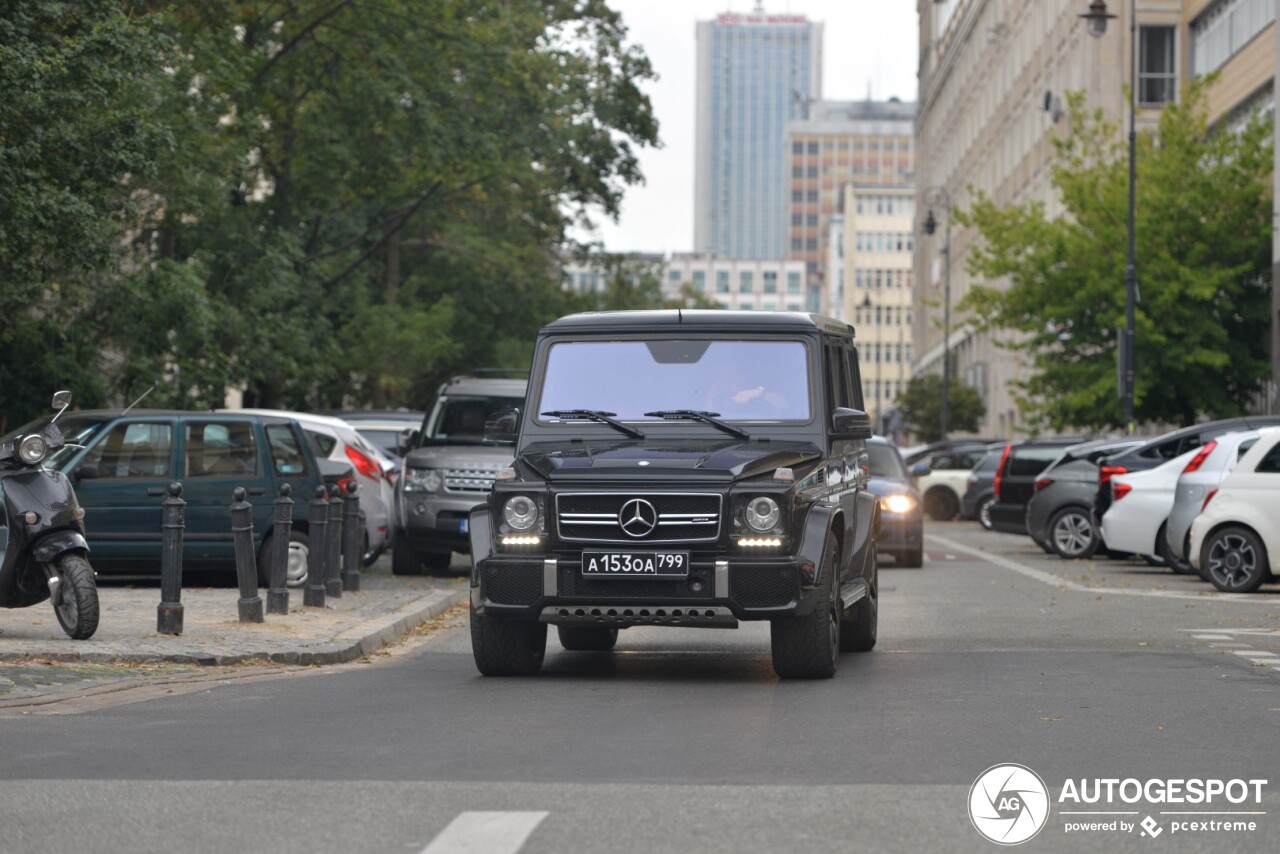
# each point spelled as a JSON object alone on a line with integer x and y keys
{"x": 719, "y": 591}
{"x": 900, "y": 532}
{"x": 438, "y": 521}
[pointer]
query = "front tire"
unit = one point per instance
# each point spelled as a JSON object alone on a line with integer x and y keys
{"x": 1073, "y": 535}
{"x": 587, "y": 638}
{"x": 806, "y": 647}
{"x": 911, "y": 558}
{"x": 77, "y": 605}
{"x": 1235, "y": 560}
{"x": 507, "y": 647}
{"x": 405, "y": 561}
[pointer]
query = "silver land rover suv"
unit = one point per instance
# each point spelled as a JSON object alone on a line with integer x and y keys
{"x": 450, "y": 469}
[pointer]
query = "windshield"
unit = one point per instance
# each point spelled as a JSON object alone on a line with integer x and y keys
{"x": 459, "y": 420}
{"x": 740, "y": 380}
{"x": 885, "y": 461}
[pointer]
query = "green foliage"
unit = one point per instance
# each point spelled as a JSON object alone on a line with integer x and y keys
{"x": 1203, "y": 237}
{"x": 320, "y": 201}
{"x": 921, "y": 406}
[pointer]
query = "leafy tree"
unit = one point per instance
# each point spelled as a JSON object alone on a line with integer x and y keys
{"x": 79, "y": 141}
{"x": 921, "y": 407}
{"x": 1203, "y": 231}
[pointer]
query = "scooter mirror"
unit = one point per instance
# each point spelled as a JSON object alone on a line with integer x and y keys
{"x": 61, "y": 399}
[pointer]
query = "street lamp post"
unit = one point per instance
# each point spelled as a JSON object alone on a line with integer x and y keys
{"x": 933, "y": 196}
{"x": 1097, "y": 18}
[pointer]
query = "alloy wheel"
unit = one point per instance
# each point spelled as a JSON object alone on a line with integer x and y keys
{"x": 1232, "y": 560}
{"x": 1072, "y": 534}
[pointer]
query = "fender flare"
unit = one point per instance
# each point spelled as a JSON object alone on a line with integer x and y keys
{"x": 52, "y": 545}
{"x": 480, "y": 532}
{"x": 818, "y": 522}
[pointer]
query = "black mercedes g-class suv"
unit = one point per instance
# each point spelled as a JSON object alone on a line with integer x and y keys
{"x": 688, "y": 468}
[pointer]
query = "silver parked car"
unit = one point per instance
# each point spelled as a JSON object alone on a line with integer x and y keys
{"x": 1203, "y": 473}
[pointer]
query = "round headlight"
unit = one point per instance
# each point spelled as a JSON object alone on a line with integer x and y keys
{"x": 763, "y": 514}
{"x": 32, "y": 450}
{"x": 521, "y": 512}
{"x": 898, "y": 503}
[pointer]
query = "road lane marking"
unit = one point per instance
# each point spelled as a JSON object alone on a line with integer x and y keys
{"x": 1067, "y": 584}
{"x": 486, "y": 833}
{"x": 1212, "y": 637}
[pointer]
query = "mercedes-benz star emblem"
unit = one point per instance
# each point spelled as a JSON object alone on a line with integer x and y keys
{"x": 637, "y": 517}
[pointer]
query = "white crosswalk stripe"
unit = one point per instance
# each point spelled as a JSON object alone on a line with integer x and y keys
{"x": 486, "y": 833}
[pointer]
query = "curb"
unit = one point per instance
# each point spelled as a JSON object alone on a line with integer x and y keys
{"x": 355, "y": 642}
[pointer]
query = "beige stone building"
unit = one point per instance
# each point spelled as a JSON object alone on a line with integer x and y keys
{"x": 993, "y": 77}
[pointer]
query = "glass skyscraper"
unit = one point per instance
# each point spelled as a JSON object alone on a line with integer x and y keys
{"x": 756, "y": 72}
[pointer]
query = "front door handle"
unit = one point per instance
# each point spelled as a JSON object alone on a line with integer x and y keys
{"x": 156, "y": 490}
{"x": 257, "y": 490}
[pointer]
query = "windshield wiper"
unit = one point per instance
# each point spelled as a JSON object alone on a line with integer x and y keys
{"x": 711, "y": 418}
{"x": 598, "y": 416}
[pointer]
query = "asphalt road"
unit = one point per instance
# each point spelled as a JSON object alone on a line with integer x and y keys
{"x": 683, "y": 739}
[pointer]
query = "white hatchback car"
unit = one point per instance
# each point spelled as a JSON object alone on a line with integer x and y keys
{"x": 335, "y": 439}
{"x": 1140, "y": 506}
{"x": 1235, "y": 541}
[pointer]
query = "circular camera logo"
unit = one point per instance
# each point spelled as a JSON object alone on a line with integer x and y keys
{"x": 1008, "y": 804}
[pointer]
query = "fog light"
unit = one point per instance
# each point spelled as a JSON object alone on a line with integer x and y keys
{"x": 30, "y": 517}
{"x": 526, "y": 540}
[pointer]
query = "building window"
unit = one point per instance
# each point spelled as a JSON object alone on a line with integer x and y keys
{"x": 770, "y": 282}
{"x": 811, "y": 220}
{"x": 797, "y": 219}
{"x": 1224, "y": 28}
{"x": 793, "y": 306}
{"x": 700, "y": 281}
{"x": 1157, "y": 69}
{"x": 744, "y": 282}
{"x": 793, "y": 283}
{"x": 811, "y": 196}
{"x": 797, "y": 171}
{"x": 722, "y": 281}
{"x": 813, "y": 172}
{"x": 797, "y": 243}
{"x": 813, "y": 147}
{"x": 811, "y": 244}
{"x": 797, "y": 148}
{"x": 797, "y": 195}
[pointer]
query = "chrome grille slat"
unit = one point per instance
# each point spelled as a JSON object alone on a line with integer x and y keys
{"x": 469, "y": 480}
{"x": 684, "y": 517}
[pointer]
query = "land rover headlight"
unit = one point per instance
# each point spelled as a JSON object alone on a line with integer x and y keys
{"x": 762, "y": 514}
{"x": 33, "y": 449}
{"x": 900, "y": 503}
{"x": 423, "y": 480}
{"x": 521, "y": 512}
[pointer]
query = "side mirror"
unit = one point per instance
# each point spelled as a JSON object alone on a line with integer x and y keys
{"x": 87, "y": 471}
{"x": 850, "y": 424}
{"x": 502, "y": 425}
{"x": 61, "y": 399}
{"x": 920, "y": 469}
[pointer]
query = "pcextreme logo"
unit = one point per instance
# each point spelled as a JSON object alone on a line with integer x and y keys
{"x": 1008, "y": 804}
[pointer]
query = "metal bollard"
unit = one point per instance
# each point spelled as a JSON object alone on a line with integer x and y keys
{"x": 278, "y": 593}
{"x": 169, "y": 612}
{"x": 313, "y": 595}
{"x": 250, "y": 603}
{"x": 351, "y": 539}
{"x": 333, "y": 544}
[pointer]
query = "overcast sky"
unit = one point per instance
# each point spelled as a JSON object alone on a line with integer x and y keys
{"x": 868, "y": 44}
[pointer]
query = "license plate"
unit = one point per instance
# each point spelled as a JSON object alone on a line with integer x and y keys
{"x": 635, "y": 564}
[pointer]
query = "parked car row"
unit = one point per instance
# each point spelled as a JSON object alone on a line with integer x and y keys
{"x": 1160, "y": 498}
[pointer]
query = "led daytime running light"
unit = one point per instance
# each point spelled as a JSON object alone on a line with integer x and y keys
{"x": 760, "y": 542}
{"x": 521, "y": 541}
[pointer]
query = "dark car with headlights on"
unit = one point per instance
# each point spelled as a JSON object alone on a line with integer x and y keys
{"x": 901, "y": 519}
{"x": 681, "y": 468}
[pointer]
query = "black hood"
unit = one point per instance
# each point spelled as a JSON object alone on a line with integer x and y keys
{"x": 727, "y": 460}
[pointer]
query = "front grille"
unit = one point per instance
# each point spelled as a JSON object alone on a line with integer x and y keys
{"x": 512, "y": 585}
{"x": 677, "y": 517}
{"x": 471, "y": 481}
{"x": 762, "y": 586}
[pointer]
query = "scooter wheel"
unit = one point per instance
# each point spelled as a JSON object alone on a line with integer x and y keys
{"x": 77, "y": 604}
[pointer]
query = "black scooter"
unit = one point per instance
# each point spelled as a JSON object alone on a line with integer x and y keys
{"x": 45, "y": 555}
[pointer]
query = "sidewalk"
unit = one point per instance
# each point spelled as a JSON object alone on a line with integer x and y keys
{"x": 348, "y": 627}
